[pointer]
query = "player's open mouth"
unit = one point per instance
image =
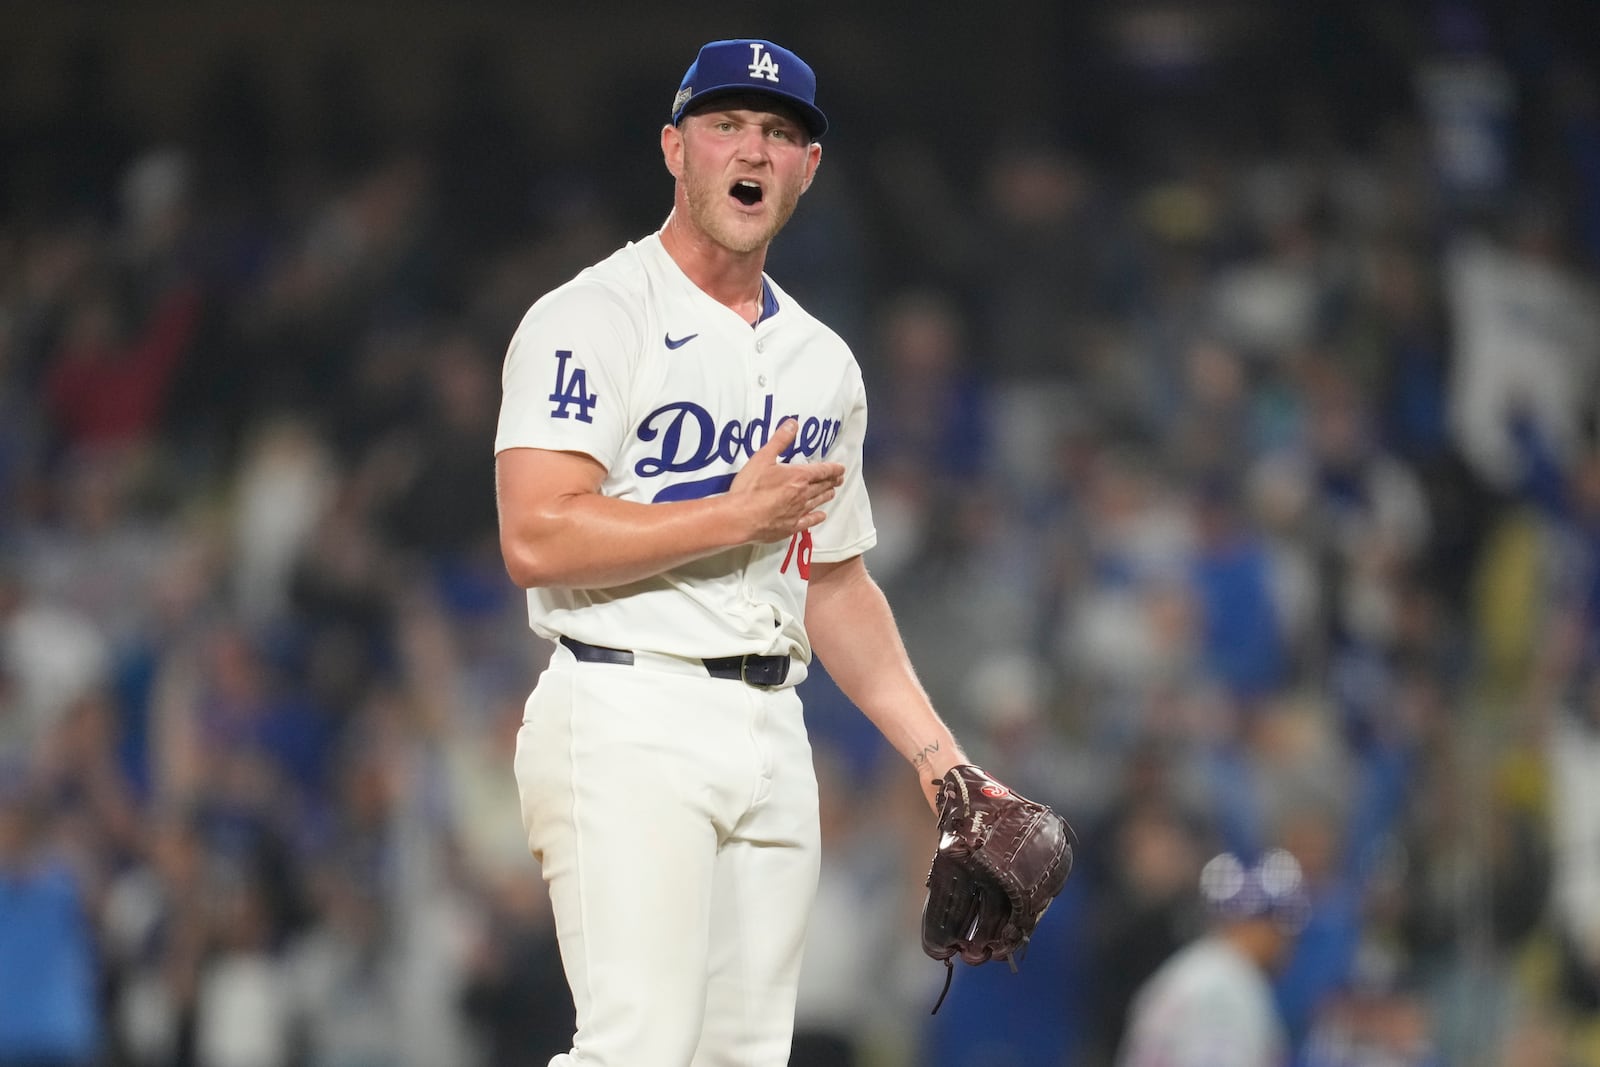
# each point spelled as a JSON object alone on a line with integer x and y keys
{"x": 746, "y": 192}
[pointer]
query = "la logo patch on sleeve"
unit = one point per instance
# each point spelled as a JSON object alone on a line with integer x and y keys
{"x": 572, "y": 389}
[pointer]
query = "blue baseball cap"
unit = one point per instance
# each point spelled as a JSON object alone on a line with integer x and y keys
{"x": 747, "y": 65}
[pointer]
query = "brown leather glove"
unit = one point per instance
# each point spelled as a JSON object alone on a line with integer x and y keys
{"x": 1001, "y": 860}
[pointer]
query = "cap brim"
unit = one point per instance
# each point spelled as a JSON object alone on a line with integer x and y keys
{"x": 815, "y": 122}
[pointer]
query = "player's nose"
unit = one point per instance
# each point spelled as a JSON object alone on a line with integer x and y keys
{"x": 752, "y": 143}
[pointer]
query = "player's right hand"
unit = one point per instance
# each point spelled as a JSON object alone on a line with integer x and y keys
{"x": 781, "y": 499}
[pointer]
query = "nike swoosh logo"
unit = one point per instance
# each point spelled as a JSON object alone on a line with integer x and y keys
{"x": 680, "y": 341}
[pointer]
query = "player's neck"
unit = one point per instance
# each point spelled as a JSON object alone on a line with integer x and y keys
{"x": 732, "y": 279}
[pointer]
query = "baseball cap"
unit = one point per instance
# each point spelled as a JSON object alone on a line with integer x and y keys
{"x": 1272, "y": 888}
{"x": 749, "y": 65}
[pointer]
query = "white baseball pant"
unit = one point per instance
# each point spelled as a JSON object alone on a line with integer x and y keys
{"x": 674, "y": 816}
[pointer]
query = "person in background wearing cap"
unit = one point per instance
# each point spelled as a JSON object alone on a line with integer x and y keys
{"x": 1211, "y": 1004}
{"x": 678, "y": 466}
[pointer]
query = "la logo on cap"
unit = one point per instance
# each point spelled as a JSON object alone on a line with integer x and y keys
{"x": 762, "y": 64}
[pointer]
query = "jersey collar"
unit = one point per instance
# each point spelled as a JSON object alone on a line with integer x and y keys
{"x": 769, "y": 293}
{"x": 769, "y": 301}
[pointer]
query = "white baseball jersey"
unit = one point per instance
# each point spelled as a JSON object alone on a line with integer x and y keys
{"x": 1207, "y": 1006}
{"x": 633, "y": 364}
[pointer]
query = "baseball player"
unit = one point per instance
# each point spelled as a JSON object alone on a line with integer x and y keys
{"x": 1211, "y": 1003}
{"x": 678, "y": 465}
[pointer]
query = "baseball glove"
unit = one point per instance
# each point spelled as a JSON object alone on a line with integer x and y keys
{"x": 1001, "y": 860}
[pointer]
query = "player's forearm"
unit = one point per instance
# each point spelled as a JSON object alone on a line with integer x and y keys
{"x": 853, "y": 632}
{"x": 591, "y": 541}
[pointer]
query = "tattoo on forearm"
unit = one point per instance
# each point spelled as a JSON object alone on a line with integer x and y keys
{"x": 920, "y": 760}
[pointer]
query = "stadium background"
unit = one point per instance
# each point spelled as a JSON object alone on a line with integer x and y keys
{"x": 1233, "y": 452}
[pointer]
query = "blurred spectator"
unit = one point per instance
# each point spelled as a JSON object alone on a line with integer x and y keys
{"x": 847, "y": 939}
{"x": 49, "y": 963}
{"x": 97, "y": 549}
{"x": 155, "y": 223}
{"x": 1468, "y": 99}
{"x": 1212, "y": 429}
{"x": 108, "y": 382}
{"x": 243, "y": 998}
{"x": 441, "y": 502}
{"x": 341, "y": 974}
{"x": 1525, "y": 326}
{"x": 1405, "y": 335}
{"x": 359, "y": 260}
{"x": 1042, "y": 266}
{"x": 1375, "y": 1025}
{"x": 1274, "y": 303}
{"x": 155, "y": 930}
{"x": 1044, "y": 249}
{"x": 50, "y": 657}
{"x": 1281, "y": 507}
{"x": 515, "y": 991}
{"x": 1012, "y": 705}
{"x": 1381, "y": 1013}
{"x": 1241, "y": 641}
{"x": 933, "y": 410}
{"x": 1366, "y": 524}
{"x": 1406, "y": 330}
{"x": 1128, "y": 633}
{"x": 282, "y": 489}
{"x": 1572, "y": 749}
{"x": 1151, "y": 857}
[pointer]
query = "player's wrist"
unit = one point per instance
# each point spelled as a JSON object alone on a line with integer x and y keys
{"x": 737, "y": 522}
{"x": 942, "y": 763}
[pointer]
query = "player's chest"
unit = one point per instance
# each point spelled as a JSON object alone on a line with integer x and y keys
{"x": 709, "y": 401}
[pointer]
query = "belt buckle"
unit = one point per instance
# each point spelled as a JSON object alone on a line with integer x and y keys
{"x": 744, "y": 673}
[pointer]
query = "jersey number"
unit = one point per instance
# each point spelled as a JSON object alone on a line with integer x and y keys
{"x": 571, "y": 389}
{"x": 800, "y": 553}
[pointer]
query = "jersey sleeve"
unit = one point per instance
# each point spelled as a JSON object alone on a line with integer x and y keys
{"x": 563, "y": 384}
{"x": 848, "y": 530}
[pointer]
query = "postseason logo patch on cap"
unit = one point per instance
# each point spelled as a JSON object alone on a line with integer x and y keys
{"x": 726, "y": 68}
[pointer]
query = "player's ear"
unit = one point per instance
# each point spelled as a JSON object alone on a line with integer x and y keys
{"x": 813, "y": 161}
{"x": 672, "y": 149}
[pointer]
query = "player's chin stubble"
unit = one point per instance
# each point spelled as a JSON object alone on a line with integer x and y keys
{"x": 738, "y": 233}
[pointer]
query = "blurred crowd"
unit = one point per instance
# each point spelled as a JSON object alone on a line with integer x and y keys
{"x": 1237, "y": 484}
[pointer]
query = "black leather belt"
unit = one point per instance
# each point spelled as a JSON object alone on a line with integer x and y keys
{"x": 763, "y": 672}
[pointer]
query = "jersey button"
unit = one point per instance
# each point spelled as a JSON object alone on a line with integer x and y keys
{"x": 762, "y": 381}
{"x": 761, "y": 346}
